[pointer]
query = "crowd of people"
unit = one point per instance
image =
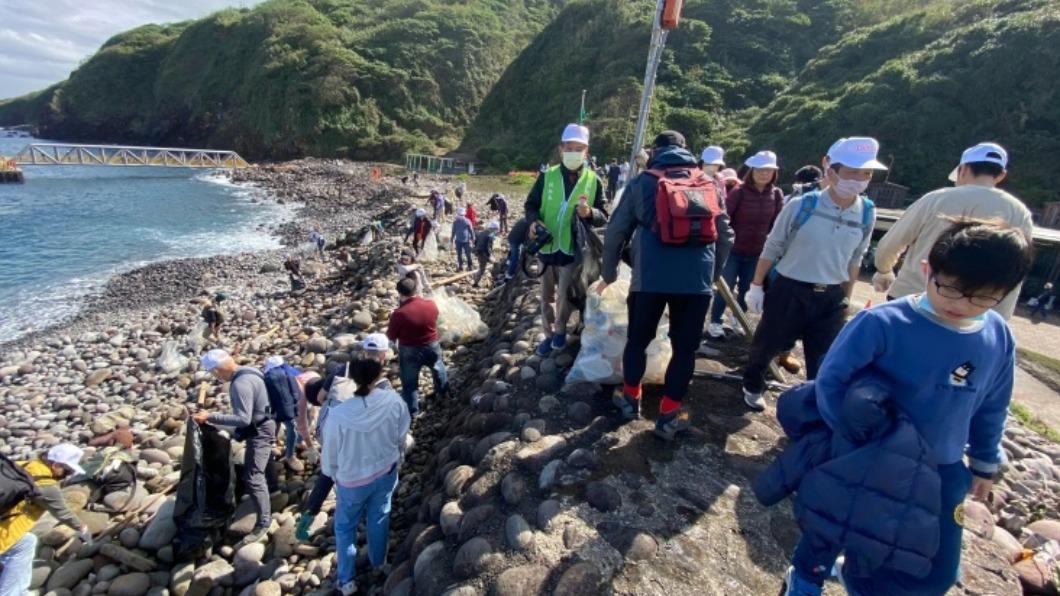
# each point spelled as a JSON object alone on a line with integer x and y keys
{"x": 930, "y": 369}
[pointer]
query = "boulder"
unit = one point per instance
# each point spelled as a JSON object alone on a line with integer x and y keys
{"x": 471, "y": 558}
{"x": 162, "y": 529}
{"x": 525, "y": 580}
{"x": 68, "y": 575}
{"x": 580, "y": 578}
{"x": 130, "y": 584}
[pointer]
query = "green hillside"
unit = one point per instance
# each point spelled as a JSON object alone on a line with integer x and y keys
{"x": 295, "y": 77}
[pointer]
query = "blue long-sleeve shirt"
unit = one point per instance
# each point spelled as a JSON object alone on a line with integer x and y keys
{"x": 955, "y": 385}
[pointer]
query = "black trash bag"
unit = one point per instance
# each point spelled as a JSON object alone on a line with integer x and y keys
{"x": 206, "y": 493}
{"x": 587, "y": 267}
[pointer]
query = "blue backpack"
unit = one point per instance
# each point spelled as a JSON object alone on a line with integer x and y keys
{"x": 282, "y": 387}
{"x": 808, "y": 208}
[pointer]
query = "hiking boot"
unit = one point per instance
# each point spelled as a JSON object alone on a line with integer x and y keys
{"x": 256, "y": 535}
{"x": 347, "y": 589}
{"x": 668, "y": 425}
{"x": 628, "y": 406}
{"x": 789, "y": 363}
{"x": 301, "y": 530}
{"x": 544, "y": 348}
{"x": 716, "y": 331}
{"x": 559, "y": 341}
{"x": 755, "y": 401}
{"x": 794, "y": 585}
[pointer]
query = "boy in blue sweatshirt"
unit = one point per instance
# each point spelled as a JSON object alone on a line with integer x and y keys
{"x": 950, "y": 360}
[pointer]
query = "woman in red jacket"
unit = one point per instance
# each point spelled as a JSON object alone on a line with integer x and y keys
{"x": 752, "y": 207}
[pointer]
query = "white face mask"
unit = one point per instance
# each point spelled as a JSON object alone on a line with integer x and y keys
{"x": 850, "y": 188}
{"x": 573, "y": 160}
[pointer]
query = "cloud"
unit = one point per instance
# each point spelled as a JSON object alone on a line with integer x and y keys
{"x": 41, "y": 42}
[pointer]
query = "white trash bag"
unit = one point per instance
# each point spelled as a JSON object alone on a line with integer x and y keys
{"x": 458, "y": 321}
{"x": 170, "y": 359}
{"x": 367, "y": 238}
{"x": 197, "y": 337}
{"x": 429, "y": 252}
{"x": 604, "y": 338}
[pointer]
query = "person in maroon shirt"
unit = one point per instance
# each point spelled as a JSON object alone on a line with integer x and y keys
{"x": 414, "y": 326}
{"x": 752, "y": 207}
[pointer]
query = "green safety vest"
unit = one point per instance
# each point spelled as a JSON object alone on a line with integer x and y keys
{"x": 557, "y": 210}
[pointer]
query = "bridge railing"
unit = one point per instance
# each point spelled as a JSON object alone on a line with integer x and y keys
{"x": 68, "y": 154}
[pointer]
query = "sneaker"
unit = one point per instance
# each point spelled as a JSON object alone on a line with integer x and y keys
{"x": 544, "y": 348}
{"x": 668, "y": 425}
{"x": 789, "y": 363}
{"x": 755, "y": 401}
{"x": 627, "y": 405}
{"x": 716, "y": 331}
{"x": 348, "y": 589}
{"x": 559, "y": 341}
{"x": 256, "y": 535}
{"x": 794, "y": 585}
{"x": 301, "y": 530}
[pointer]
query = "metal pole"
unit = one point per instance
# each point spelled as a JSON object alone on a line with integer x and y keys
{"x": 658, "y": 42}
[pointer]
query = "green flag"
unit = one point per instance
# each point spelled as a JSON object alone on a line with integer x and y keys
{"x": 581, "y": 112}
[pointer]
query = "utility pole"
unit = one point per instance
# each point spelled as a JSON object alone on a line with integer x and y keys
{"x": 655, "y": 50}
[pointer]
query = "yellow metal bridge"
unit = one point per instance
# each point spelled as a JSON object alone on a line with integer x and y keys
{"x": 64, "y": 154}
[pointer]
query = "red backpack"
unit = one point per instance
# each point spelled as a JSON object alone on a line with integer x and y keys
{"x": 685, "y": 208}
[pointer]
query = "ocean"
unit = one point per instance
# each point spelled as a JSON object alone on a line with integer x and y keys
{"x": 68, "y": 229}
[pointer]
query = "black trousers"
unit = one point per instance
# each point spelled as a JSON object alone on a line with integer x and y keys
{"x": 795, "y": 310}
{"x": 688, "y": 312}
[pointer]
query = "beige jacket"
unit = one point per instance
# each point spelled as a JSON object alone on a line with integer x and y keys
{"x": 922, "y": 224}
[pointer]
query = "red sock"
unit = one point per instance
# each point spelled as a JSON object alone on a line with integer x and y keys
{"x": 631, "y": 390}
{"x": 668, "y": 405}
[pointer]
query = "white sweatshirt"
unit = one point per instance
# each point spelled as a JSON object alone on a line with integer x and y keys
{"x": 364, "y": 436}
{"x": 920, "y": 226}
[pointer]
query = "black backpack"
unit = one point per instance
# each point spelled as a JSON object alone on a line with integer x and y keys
{"x": 16, "y": 486}
{"x": 283, "y": 394}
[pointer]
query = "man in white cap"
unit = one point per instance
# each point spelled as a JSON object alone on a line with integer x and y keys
{"x": 18, "y": 545}
{"x": 461, "y": 237}
{"x": 253, "y": 422}
{"x": 975, "y": 195}
{"x": 712, "y": 160}
{"x": 561, "y": 196}
{"x": 812, "y": 258}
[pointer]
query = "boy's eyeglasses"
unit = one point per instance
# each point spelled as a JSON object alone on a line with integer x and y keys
{"x": 955, "y": 293}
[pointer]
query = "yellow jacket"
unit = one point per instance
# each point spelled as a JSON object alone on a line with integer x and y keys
{"x": 25, "y": 515}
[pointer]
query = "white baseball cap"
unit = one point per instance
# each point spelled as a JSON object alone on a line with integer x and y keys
{"x": 856, "y": 152}
{"x": 576, "y": 133}
{"x": 713, "y": 156}
{"x": 763, "y": 160}
{"x": 272, "y": 362}
{"x": 375, "y": 342}
{"x": 461, "y": 212}
{"x": 493, "y": 225}
{"x": 421, "y": 212}
{"x": 67, "y": 455}
{"x": 213, "y": 359}
{"x": 988, "y": 152}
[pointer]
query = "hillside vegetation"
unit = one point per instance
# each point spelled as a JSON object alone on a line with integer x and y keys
{"x": 499, "y": 78}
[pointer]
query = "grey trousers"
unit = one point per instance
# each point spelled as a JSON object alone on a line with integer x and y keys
{"x": 255, "y": 460}
{"x": 555, "y": 308}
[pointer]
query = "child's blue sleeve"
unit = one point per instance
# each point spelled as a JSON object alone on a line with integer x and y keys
{"x": 859, "y": 343}
{"x": 988, "y": 422}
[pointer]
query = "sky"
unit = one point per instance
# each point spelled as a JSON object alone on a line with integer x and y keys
{"x": 42, "y": 41}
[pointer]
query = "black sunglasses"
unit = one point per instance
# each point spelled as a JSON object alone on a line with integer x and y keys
{"x": 955, "y": 293}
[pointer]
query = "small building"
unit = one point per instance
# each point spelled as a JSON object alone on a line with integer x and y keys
{"x": 888, "y": 195}
{"x": 453, "y": 163}
{"x": 1050, "y": 216}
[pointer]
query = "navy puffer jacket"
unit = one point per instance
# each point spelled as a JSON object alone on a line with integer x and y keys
{"x": 869, "y": 488}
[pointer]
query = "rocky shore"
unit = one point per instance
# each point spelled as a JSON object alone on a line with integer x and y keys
{"x": 518, "y": 484}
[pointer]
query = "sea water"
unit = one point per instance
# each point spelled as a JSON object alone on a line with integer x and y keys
{"x": 68, "y": 229}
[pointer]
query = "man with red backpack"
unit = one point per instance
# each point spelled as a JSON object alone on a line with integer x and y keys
{"x": 673, "y": 218}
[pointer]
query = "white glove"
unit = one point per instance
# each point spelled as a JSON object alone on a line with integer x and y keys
{"x": 85, "y": 535}
{"x": 755, "y": 299}
{"x": 881, "y": 282}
